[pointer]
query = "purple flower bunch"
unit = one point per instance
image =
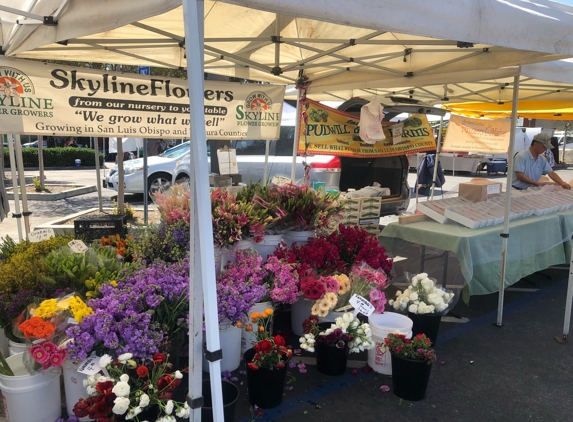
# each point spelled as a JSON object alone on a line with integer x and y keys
{"x": 337, "y": 338}
{"x": 240, "y": 286}
{"x": 165, "y": 242}
{"x": 282, "y": 280}
{"x": 147, "y": 307}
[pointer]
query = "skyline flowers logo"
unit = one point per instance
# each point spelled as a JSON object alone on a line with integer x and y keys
{"x": 258, "y": 101}
{"x": 14, "y": 82}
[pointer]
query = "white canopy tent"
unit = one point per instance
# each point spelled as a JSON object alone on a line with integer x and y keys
{"x": 359, "y": 44}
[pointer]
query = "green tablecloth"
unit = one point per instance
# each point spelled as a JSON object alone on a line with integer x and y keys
{"x": 535, "y": 243}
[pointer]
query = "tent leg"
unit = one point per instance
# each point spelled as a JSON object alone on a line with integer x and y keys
{"x": 505, "y": 233}
{"x": 266, "y": 173}
{"x": 568, "y": 304}
{"x": 22, "y": 178}
{"x": 295, "y": 140}
{"x": 17, "y": 214}
{"x": 98, "y": 175}
{"x": 438, "y": 149}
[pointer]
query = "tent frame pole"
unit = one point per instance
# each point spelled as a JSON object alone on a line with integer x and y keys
{"x": 17, "y": 214}
{"x": 438, "y": 150}
{"x": 505, "y": 233}
{"x": 295, "y": 137}
{"x": 22, "y": 178}
{"x": 568, "y": 303}
{"x": 202, "y": 260}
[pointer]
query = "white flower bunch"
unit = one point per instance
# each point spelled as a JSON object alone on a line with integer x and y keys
{"x": 422, "y": 297}
{"x": 348, "y": 324}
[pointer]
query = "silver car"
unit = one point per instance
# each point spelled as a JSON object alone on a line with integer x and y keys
{"x": 159, "y": 171}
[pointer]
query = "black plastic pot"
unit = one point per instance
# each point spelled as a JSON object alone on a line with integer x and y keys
{"x": 265, "y": 386}
{"x": 428, "y": 324}
{"x": 230, "y": 397}
{"x": 330, "y": 360}
{"x": 410, "y": 378}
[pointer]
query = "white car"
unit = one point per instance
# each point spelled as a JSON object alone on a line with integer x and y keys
{"x": 159, "y": 171}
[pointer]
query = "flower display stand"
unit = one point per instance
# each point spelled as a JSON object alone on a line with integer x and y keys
{"x": 248, "y": 338}
{"x": 28, "y": 397}
{"x": 428, "y": 324}
{"x": 265, "y": 386}
{"x": 410, "y": 378}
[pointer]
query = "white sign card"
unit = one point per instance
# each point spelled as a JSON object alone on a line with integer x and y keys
{"x": 227, "y": 161}
{"x": 493, "y": 189}
{"x": 77, "y": 246}
{"x": 361, "y": 305}
{"x": 397, "y": 130}
{"x": 90, "y": 366}
{"x": 281, "y": 180}
{"x": 40, "y": 234}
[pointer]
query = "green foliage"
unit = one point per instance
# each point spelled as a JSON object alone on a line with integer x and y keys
{"x": 128, "y": 211}
{"x": 69, "y": 269}
{"x": 7, "y": 247}
{"x": 24, "y": 267}
{"x": 56, "y": 157}
{"x": 37, "y": 184}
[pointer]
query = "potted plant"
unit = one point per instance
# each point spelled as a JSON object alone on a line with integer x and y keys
{"x": 334, "y": 341}
{"x": 425, "y": 304}
{"x": 411, "y": 364}
{"x": 266, "y": 363}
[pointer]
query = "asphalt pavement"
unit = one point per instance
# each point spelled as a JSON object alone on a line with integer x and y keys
{"x": 517, "y": 372}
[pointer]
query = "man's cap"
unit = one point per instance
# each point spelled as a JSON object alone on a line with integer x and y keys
{"x": 544, "y": 139}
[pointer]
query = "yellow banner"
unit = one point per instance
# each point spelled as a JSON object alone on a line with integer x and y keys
{"x": 328, "y": 131}
{"x": 477, "y": 135}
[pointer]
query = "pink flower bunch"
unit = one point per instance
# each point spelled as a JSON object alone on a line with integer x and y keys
{"x": 235, "y": 220}
{"x": 282, "y": 281}
{"x": 370, "y": 284}
{"x": 48, "y": 354}
{"x": 326, "y": 291}
{"x": 174, "y": 205}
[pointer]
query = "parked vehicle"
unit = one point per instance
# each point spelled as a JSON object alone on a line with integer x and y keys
{"x": 35, "y": 144}
{"x": 159, "y": 171}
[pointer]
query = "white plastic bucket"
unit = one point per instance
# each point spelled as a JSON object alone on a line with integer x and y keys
{"x": 268, "y": 245}
{"x": 248, "y": 337}
{"x": 330, "y": 317}
{"x": 74, "y": 386}
{"x": 31, "y": 398}
{"x": 224, "y": 256}
{"x": 4, "y": 345}
{"x": 382, "y": 325}
{"x": 16, "y": 348}
{"x": 230, "y": 341}
{"x": 301, "y": 238}
{"x": 299, "y": 311}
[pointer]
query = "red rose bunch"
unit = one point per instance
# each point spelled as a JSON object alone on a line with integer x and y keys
{"x": 270, "y": 351}
{"x": 418, "y": 348}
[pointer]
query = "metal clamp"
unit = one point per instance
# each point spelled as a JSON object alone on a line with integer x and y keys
{"x": 214, "y": 356}
{"x": 195, "y": 403}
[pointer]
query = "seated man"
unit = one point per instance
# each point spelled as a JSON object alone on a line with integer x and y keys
{"x": 530, "y": 164}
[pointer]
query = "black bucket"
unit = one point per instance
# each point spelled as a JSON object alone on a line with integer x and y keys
{"x": 230, "y": 397}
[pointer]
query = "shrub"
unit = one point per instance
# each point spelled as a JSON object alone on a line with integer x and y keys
{"x": 56, "y": 157}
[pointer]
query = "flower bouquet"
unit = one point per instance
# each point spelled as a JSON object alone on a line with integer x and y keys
{"x": 45, "y": 331}
{"x": 281, "y": 281}
{"x": 326, "y": 291}
{"x": 425, "y": 304}
{"x": 333, "y": 342}
{"x": 132, "y": 390}
{"x": 411, "y": 364}
{"x": 266, "y": 363}
{"x": 268, "y": 198}
{"x": 235, "y": 220}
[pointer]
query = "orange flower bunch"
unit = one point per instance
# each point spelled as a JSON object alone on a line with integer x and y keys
{"x": 36, "y": 327}
{"x": 120, "y": 245}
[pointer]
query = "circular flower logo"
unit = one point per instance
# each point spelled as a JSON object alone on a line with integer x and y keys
{"x": 10, "y": 87}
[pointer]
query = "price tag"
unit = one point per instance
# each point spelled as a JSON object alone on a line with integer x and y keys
{"x": 397, "y": 130}
{"x": 40, "y": 234}
{"x": 77, "y": 246}
{"x": 493, "y": 189}
{"x": 361, "y": 305}
{"x": 90, "y": 366}
{"x": 281, "y": 180}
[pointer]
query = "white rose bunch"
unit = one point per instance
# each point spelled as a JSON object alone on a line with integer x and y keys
{"x": 422, "y": 297}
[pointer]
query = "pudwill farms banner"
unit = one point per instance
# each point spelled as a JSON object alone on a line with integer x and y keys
{"x": 45, "y": 99}
{"x": 328, "y": 131}
{"x": 477, "y": 135}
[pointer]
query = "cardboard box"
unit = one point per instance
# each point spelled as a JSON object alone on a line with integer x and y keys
{"x": 477, "y": 190}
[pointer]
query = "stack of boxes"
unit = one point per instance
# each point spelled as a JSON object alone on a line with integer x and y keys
{"x": 363, "y": 212}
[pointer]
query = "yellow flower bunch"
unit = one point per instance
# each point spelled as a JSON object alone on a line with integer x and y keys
{"x": 79, "y": 309}
{"x": 343, "y": 283}
{"x": 47, "y": 309}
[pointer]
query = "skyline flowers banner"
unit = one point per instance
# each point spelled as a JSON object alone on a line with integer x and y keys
{"x": 327, "y": 131}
